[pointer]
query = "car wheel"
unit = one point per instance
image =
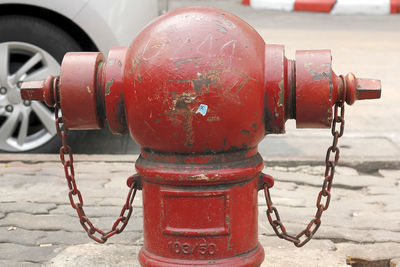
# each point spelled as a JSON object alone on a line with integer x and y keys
{"x": 30, "y": 49}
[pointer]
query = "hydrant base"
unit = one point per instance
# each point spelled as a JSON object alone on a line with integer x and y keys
{"x": 252, "y": 258}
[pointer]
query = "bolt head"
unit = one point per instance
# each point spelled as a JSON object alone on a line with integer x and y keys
{"x": 27, "y": 102}
{"x": 9, "y": 108}
{"x": 3, "y": 90}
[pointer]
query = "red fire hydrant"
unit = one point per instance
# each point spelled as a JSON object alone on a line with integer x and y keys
{"x": 198, "y": 89}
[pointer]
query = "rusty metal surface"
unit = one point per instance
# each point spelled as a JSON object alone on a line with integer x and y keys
{"x": 314, "y": 89}
{"x": 196, "y": 91}
{"x": 276, "y": 88}
{"x": 114, "y": 90}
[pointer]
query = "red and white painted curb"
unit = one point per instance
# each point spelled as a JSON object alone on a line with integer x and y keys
{"x": 373, "y": 7}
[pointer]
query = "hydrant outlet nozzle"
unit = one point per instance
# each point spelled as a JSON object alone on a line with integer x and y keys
{"x": 359, "y": 88}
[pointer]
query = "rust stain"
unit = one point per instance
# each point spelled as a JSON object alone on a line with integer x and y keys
{"x": 136, "y": 67}
{"x": 181, "y": 107}
{"x": 108, "y": 86}
{"x": 213, "y": 118}
{"x": 246, "y": 132}
{"x": 205, "y": 79}
{"x": 192, "y": 59}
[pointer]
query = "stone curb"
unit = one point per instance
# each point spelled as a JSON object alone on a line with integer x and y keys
{"x": 366, "y": 7}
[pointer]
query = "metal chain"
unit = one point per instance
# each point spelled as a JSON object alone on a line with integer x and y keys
{"x": 324, "y": 195}
{"x": 75, "y": 196}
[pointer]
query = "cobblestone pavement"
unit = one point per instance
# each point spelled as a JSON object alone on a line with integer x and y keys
{"x": 38, "y": 227}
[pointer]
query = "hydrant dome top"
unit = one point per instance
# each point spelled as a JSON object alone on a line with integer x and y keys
{"x": 194, "y": 83}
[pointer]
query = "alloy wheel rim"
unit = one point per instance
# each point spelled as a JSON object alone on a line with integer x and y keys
{"x": 24, "y": 125}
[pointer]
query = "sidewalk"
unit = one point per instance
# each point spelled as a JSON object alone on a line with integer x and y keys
{"x": 38, "y": 226}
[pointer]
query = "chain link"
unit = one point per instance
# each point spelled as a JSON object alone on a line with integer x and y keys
{"x": 75, "y": 196}
{"x": 324, "y": 196}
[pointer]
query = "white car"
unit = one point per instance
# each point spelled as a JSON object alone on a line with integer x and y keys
{"x": 35, "y": 35}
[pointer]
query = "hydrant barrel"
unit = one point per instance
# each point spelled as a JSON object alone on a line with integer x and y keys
{"x": 198, "y": 89}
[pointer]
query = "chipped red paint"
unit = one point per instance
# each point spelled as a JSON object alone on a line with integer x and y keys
{"x": 275, "y": 70}
{"x": 114, "y": 90}
{"x": 315, "y": 94}
{"x": 217, "y": 65}
{"x": 198, "y": 89}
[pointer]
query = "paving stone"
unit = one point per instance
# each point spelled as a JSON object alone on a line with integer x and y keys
{"x": 390, "y": 189}
{"x": 64, "y": 238}
{"x": 346, "y": 171}
{"x": 95, "y": 211}
{"x": 19, "y": 167}
{"x": 12, "y": 263}
{"x": 276, "y": 242}
{"x": 337, "y": 233}
{"x": 113, "y": 200}
{"x": 359, "y": 206}
{"x": 127, "y": 238}
{"x": 18, "y": 253}
{"x": 387, "y": 202}
{"x": 97, "y": 255}
{"x": 390, "y": 173}
{"x": 23, "y": 206}
{"x": 12, "y": 234}
{"x": 117, "y": 181}
{"x": 315, "y": 170}
{"x": 41, "y": 222}
{"x": 370, "y": 252}
{"x": 32, "y": 189}
{"x": 283, "y": 257}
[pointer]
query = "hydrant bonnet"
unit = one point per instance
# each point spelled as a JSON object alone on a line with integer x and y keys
{"x": 200, "y": 72}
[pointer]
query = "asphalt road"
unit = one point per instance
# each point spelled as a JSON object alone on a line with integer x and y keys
{"x": 368, "y": 46}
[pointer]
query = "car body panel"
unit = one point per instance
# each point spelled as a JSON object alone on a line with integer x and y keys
{"x": 66, "y": 8}
{"x": 107, "y": 23}
{"x": 104, "y": 26}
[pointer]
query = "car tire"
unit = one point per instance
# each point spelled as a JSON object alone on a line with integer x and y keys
{"x": 48, "y": 37}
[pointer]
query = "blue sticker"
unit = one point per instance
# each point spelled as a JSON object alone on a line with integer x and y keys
{"x": 202, "y": 109}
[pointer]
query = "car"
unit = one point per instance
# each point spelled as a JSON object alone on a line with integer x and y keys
{"x": 35, "y": 35}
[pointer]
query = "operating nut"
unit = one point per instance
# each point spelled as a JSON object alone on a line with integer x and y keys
{"x": 359, "y": 88}
{"x": 39, "y": 90}
{"x": 32, "y": 90}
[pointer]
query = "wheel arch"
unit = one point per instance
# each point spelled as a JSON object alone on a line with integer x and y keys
{"x": 55, "y": 18}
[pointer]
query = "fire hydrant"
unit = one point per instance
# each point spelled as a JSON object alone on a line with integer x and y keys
{"x": 198, "y": 89}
